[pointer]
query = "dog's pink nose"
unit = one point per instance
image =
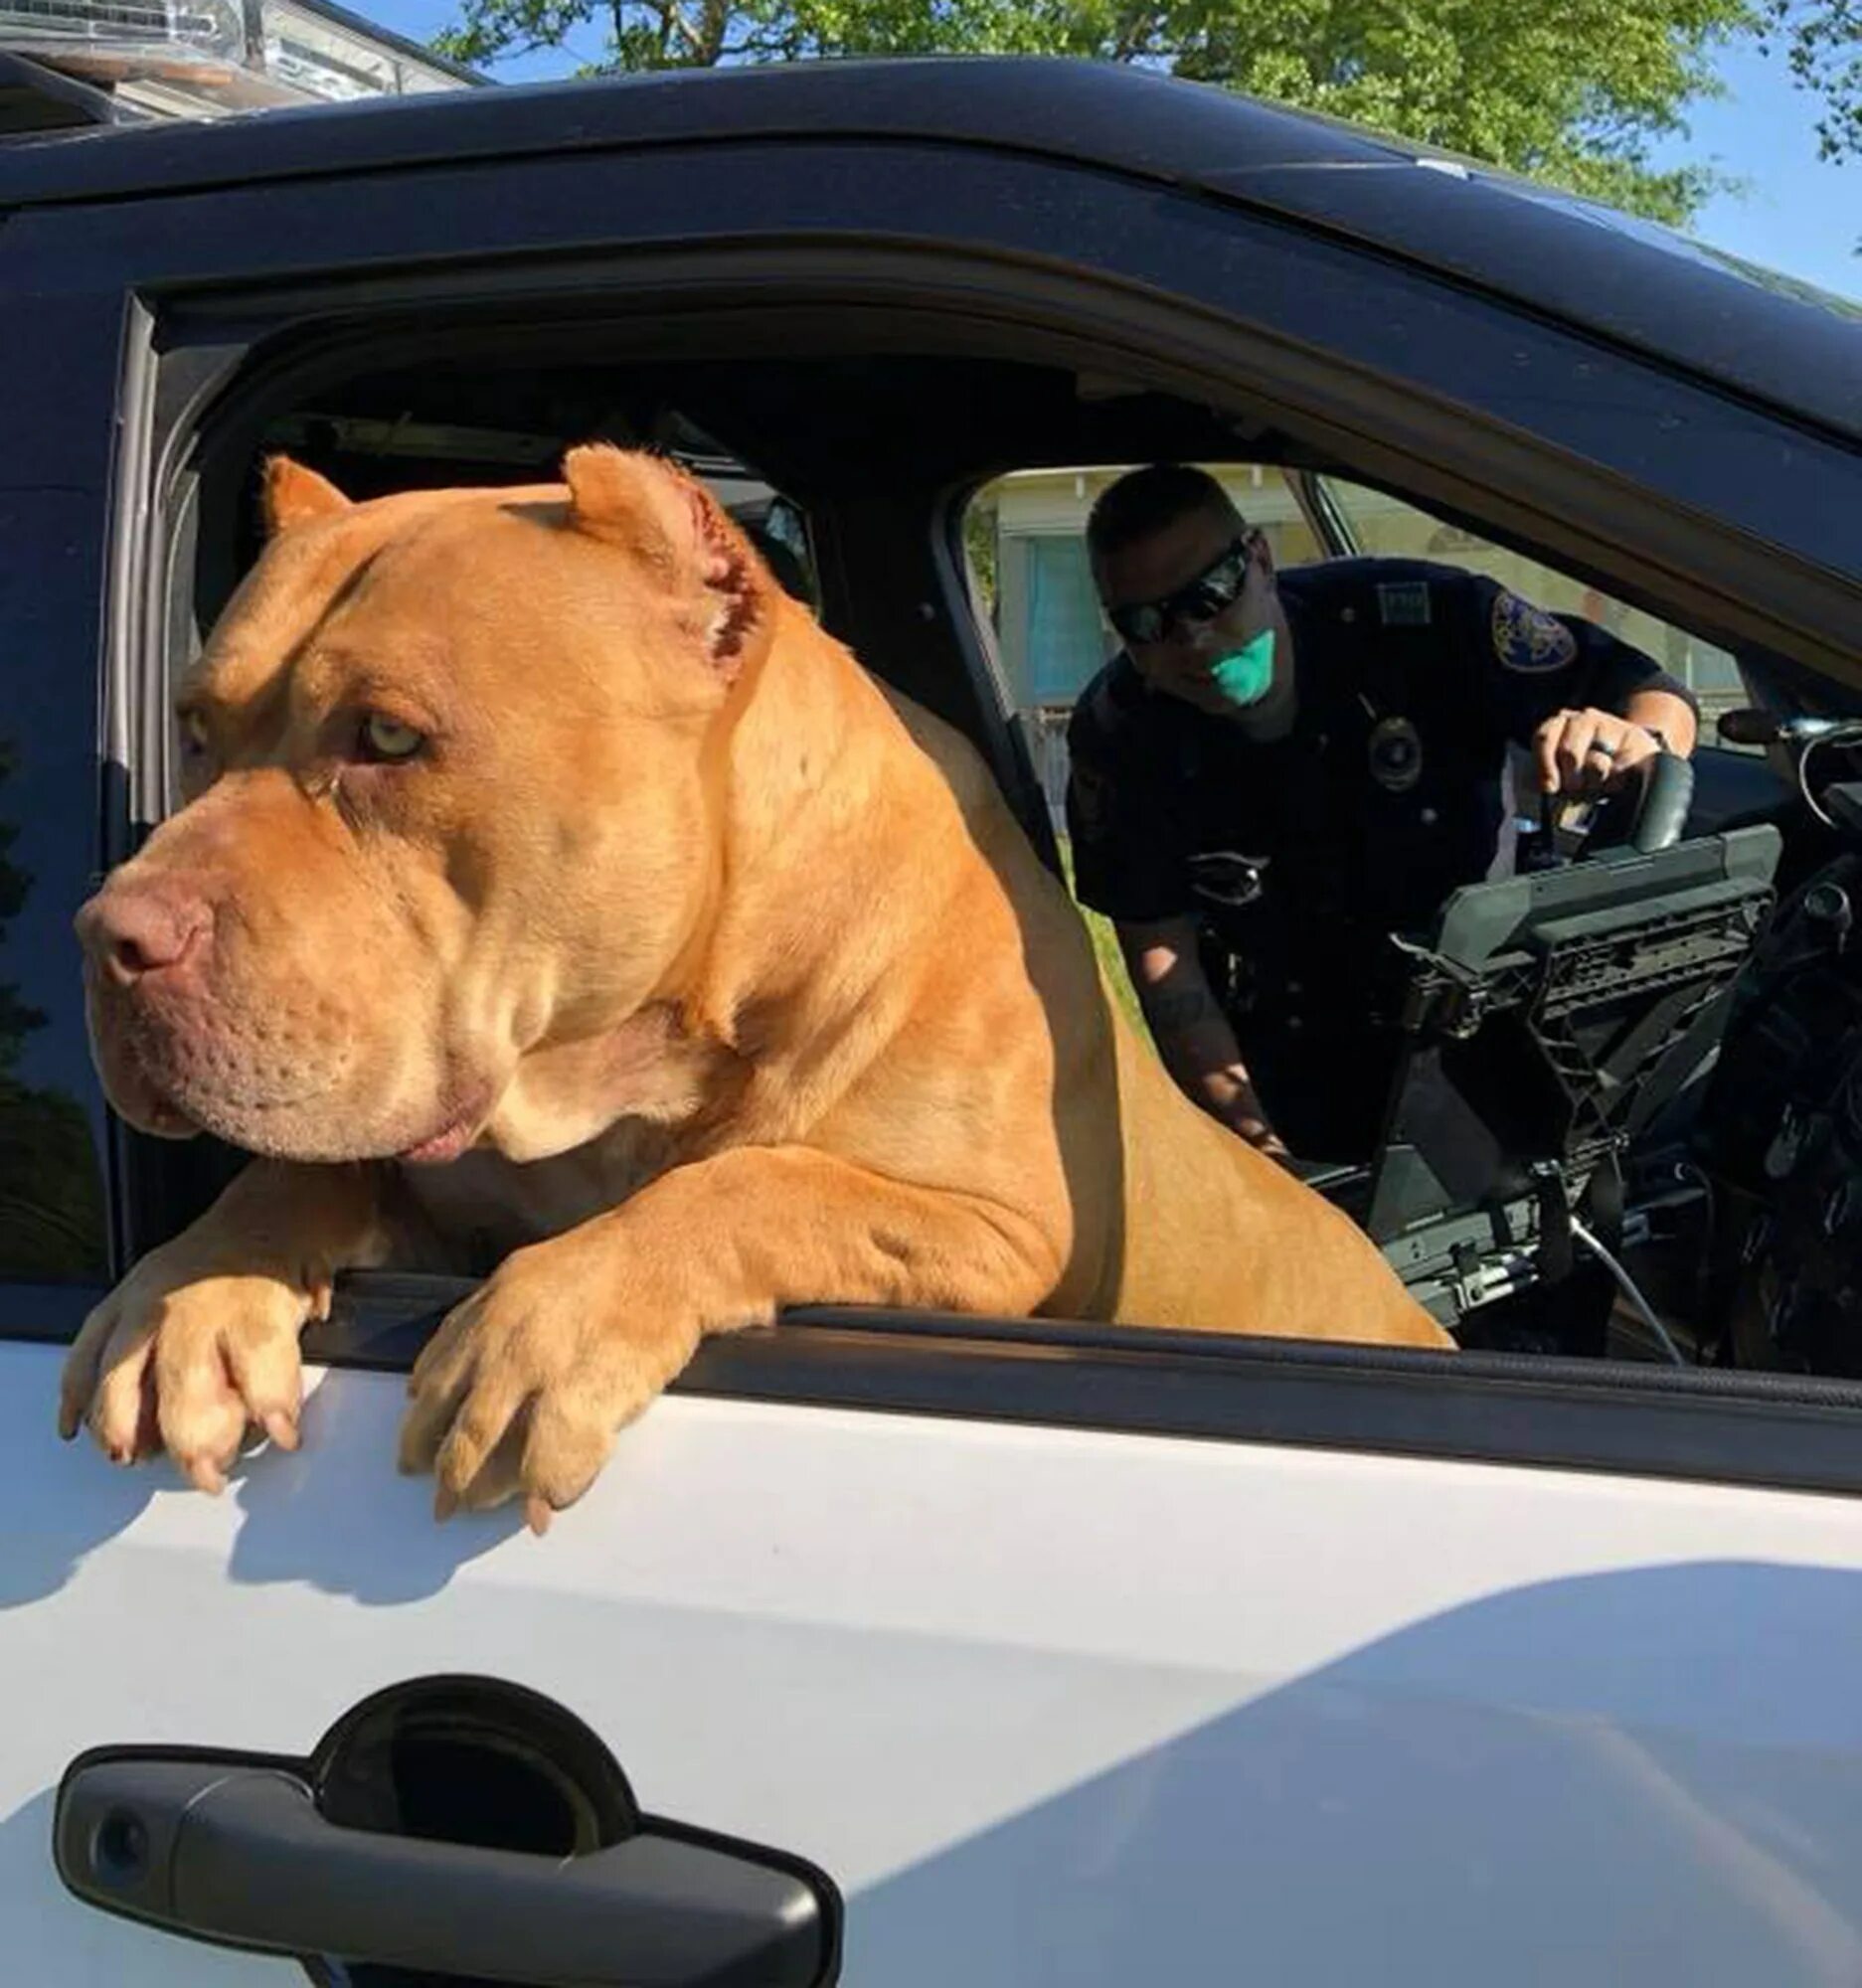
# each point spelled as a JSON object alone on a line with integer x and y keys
{"x": 136, "y": 928}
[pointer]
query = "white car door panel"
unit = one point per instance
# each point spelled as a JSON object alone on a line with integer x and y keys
{"x": 1048, "y": 1705}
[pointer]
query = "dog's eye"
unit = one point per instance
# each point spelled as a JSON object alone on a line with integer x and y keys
{"x": 193, "y": 732}
{"x": 388, "y": 739}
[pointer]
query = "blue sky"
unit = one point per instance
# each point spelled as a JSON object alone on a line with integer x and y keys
{"x": 1794, "y": 212}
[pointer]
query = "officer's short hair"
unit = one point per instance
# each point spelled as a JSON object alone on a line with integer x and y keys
{"x": 1149, "y": 500}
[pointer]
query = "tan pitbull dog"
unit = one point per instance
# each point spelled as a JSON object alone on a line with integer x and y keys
{"x": 548, "y": 875}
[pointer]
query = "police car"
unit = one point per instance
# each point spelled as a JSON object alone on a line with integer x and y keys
{"x": 937, "y": 1649}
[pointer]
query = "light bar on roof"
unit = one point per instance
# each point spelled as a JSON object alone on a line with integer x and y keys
{"x": 187, "y": 40}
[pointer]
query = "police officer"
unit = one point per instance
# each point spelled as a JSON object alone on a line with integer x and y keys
{"x": 1279, "y": 771}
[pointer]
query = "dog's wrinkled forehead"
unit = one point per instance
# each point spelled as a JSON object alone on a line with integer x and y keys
{"x": 381, "y": 609}
{"x": 322, "y": 612}
{"x": 625, "y": 587}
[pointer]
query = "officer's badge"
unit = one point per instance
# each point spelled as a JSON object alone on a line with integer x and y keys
{"x": 1403, "y": 604}
{"x": 1528, "y": 639}
{"x": 1396, "y": 754}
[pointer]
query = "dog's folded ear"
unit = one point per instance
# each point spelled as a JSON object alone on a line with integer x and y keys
{"x": 295, "y": 495}
{"x": 669, "y": 522}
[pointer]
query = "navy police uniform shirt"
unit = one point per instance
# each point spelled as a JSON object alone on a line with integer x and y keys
{"x": 1302, "y": 854}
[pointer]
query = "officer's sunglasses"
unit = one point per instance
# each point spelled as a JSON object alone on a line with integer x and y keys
{"x": 1213, "y": 592}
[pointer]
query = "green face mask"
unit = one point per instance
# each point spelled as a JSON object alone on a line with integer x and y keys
{"x": 1245, "y": 675}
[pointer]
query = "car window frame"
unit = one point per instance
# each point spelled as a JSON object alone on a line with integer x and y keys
{"x": 1738, "y": 1428}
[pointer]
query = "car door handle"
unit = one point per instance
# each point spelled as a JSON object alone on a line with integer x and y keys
{"x": 235, "y": 1852}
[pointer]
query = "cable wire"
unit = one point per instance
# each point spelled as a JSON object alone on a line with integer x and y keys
{"x": 1630, "y": 1289}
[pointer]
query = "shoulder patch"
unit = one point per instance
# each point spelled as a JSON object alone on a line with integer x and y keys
{"x": 1528, "y": 639}
{"x": 1403, "y": 604}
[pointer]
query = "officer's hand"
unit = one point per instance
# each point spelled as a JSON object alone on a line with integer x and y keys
{"x": 1585, "y": 753}
{"x": 1248, "y": 1121}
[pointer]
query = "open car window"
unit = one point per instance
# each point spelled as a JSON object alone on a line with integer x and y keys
{"x": 1031, "y": 581}
{"x": 877, "y": 545}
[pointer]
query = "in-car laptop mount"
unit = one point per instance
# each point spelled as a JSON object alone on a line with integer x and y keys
{"x": 1547, "y": 1018}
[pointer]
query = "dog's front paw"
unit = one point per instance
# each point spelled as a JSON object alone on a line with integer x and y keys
{"x": 526, "y": 1384}
{"x": 186, "y": 1356}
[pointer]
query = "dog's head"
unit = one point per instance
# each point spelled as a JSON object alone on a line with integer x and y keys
{"x": 452, "y": 768}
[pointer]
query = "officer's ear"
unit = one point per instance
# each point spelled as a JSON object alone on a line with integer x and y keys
{"x": 1260, "y": 552}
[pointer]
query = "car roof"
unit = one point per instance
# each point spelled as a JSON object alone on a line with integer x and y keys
{"x": 1749, "y": 329}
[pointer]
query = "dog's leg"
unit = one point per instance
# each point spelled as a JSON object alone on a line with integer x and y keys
{"x": 200, "y": 1340}
{"x": 526, "y": 1384}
